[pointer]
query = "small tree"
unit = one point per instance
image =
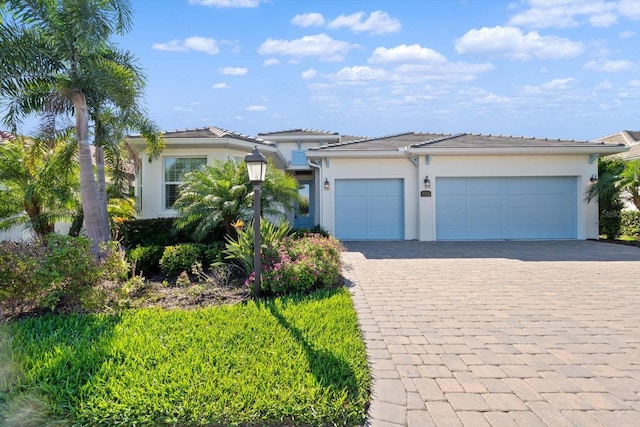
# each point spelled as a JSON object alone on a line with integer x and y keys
{"x": 222, "y": 194}
{"x": 39, "y": 183}
{"x": 608, "y": 190}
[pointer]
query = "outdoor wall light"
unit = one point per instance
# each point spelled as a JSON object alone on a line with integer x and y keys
{"x": 327, "y": 184}
{"x": 427, "y": 182}
{"x": 594, "y": 178}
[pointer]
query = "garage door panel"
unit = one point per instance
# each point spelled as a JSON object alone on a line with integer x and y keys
{"x": 506, "y": 208}
{"x": 369, "y": 209}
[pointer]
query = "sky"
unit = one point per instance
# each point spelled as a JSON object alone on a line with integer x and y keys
{"x": 546, "y": 68}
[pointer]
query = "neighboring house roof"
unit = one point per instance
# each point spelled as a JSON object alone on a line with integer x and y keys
{"x": 630, "y": 138}
{"x": 463, "y": 143}
{"x": 6, "y": 136}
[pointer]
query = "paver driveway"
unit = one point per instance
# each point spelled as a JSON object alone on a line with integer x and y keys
{"x": 499, "y": 333}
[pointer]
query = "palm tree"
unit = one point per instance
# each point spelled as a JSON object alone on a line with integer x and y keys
{"x": 39, "y": 183}
{"x": 630, "y": 182}
{"x": 56, "y": 58}
{"x": 607, "y": 190}
{"x": 222, "y": 194}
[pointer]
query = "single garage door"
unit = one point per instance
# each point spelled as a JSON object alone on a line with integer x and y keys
{"x": 506, "y": 208}
{"x": 369, "y": 209}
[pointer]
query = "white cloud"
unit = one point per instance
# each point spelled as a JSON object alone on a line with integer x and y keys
{"x": 609, "y": 66}
{"x": 233, "y": 71}
{"x": 378, "y": 22}
{"x": 627, "y": 34}
{"x": 551, "y": 86}
{"x": 630, "y": 9}
{"x": 256, "y": 108}
{"x": 270, "y": 61}
{"x": 634, "y": 83}
{"x": 196, "y": 43}
{"x": 220, "y": 86}
{"x": 572, "y": 13}
{"x": 605, "y": 85}
{"x": 308, "y": 20}
{"x": 360, "y": 73}
{"x": 319, "y": 45}
{"x": 404, "y": 53}
{"x": 227, "y": 3}
{"x": 309, "y": 74}
{"x": 512, "y": 43}
{"x": 183, "y": 109}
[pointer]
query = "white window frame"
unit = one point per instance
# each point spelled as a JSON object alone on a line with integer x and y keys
{"x": 166, "y": 183}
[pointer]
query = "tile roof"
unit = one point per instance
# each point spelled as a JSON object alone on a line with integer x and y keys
{"x": 461, "y": 140}
{"x": 213, "y": 132}
{"x": 630, "y": 138}
{"x": 385, "y": 143}
{"x": 6, "y": 136}
{"x": 299, "y": 132}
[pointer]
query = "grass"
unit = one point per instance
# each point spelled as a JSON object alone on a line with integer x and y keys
{"x": 287, "y": 361}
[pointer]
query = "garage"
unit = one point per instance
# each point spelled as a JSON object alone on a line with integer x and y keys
{"x": 369, "y": 209}
{"x": 506, "y": 208}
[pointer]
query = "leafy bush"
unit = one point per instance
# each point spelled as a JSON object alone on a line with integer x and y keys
{"x": 300, "y": 265}
{"x": 178, "y": 258}
{"x": 145, "y": 258}
{"x": 241, "y": 250}
{"x": 317, "y": 229}
{"x": 146, "y": 232}
{"x": 60, "y": 270}
{"x": 630, "y": 223}
{"x": 213, "y": 253}
{"x": 19, "y": 279}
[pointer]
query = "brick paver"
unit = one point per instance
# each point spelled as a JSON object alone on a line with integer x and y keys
{"x": 499, "y": 333}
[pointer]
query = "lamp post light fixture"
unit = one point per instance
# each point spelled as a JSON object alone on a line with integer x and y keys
{"x": 257, "y": 169}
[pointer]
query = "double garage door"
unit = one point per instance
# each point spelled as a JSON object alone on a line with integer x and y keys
{"x": 506, "y": 208}
{"x": 369, "y": 209}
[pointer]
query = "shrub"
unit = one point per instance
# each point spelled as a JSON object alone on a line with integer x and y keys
{"x": 178, "y": 258}
{"x": 630, "y": 223}
{"x": 213, "y": 253}
{"x": 317, "y": 229}
{"x": 60, "y": 270}
{"x": 19, "y": 265}
{"x": 241, "y": 250}
{"x": 145, "y": 258}
{"x": 300, "y": 265}
{"x": 158, "y": 232}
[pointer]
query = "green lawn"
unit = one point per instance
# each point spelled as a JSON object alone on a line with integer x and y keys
{"x": 291, "y": 361}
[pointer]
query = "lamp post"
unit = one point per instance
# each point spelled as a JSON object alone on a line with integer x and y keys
{"x": 257, "y": 169}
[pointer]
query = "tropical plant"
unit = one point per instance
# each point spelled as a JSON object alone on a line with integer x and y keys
{"x": 607, "y": 190}
{"x": 222, "y": 194}
{"x": 630, "y": 182}
{"x": 39, "y": 182}
{"x": 57, "y": 59}
{"x": 241, "y": 248}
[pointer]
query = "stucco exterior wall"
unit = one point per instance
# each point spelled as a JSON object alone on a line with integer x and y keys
{"x": 419, "y": 212}
{"x": 152, "y": 177}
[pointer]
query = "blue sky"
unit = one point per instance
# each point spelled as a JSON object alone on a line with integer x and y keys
{"x": 545, "y": 68}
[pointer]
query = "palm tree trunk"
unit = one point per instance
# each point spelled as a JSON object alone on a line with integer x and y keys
{"x": 102, "y": 183}
{"x": 97, "y": 229}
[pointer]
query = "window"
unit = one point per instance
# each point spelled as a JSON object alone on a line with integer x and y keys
{"x": 175, "y": 168}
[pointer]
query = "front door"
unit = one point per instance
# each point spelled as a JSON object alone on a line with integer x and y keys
{"x": 304, "y": 208}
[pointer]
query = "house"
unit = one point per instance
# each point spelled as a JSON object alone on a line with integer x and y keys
{"x": 630, "y": 138}
{"x": 409, "y": 186}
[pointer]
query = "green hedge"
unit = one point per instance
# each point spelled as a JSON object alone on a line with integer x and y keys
{"x": 158, "y": 232}
{"x": 630, "y": 223}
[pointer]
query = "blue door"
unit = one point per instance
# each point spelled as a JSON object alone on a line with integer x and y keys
{"x": 506, "y": 208}
{"x": 304, "y": 208}
{"x": 369, "y": 209}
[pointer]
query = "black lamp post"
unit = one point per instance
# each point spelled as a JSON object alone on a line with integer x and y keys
{"x": 257, "y": 169}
